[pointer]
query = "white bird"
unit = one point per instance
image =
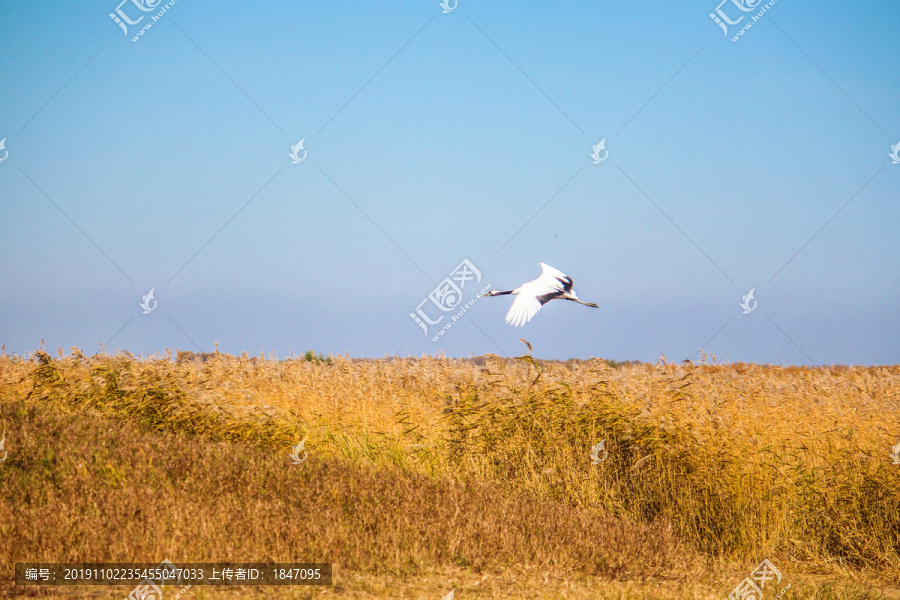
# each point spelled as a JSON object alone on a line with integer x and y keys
{"x": 531, "y": 296}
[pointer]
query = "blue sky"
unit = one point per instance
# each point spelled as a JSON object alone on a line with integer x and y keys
{"x": 434, "y": 137}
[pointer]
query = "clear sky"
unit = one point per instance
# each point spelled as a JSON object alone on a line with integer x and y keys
{"x": 433, "y": 137}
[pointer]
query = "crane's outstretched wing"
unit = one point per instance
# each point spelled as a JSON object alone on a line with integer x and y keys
{"x": 523, "y": 309}
{"x": 555, "y": 279}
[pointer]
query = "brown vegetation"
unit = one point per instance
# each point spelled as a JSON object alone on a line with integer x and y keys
{"x": 418, "y": 464}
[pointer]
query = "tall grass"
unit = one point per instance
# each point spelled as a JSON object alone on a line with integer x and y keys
{"x": 80, "y": 488}
{"x": 741, "y": 461}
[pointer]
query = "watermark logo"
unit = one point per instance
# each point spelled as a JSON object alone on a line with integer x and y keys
{"x": 748, "y": 298}
{"x": 895, "y": 453}
{"x": 445, "y": 4}
{"x": 6, "y": 152}
{"x": 596, "y": 456}
{"x": 296, "y": 450}
{"x": 722, "y": 18}
{"x": 146, "y": 590}
{"x": 752, "y": 587}
{"x": 600, "y": 147}
{"x": 123, "y": 20}
{"x": 151, "y": 588}
{"x": 447, "y": 297}
{"x": 5, "y": 453}
{"x": 148, "y": 298}
{"x": 120, "y": 18}
{"x": 296, "y": 159}
{"x": 895, "y": 153}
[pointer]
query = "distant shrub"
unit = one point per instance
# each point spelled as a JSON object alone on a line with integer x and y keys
{"x": 318, "y": 359}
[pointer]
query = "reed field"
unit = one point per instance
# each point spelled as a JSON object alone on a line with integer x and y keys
{"x": 425, "y": 475}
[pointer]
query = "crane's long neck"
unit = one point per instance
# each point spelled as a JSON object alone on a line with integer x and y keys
{"x": 496, "y": 293}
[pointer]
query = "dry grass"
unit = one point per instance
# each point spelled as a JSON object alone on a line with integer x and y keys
{"x": 151, "y": 494}
{"x": 480, "y": 465}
